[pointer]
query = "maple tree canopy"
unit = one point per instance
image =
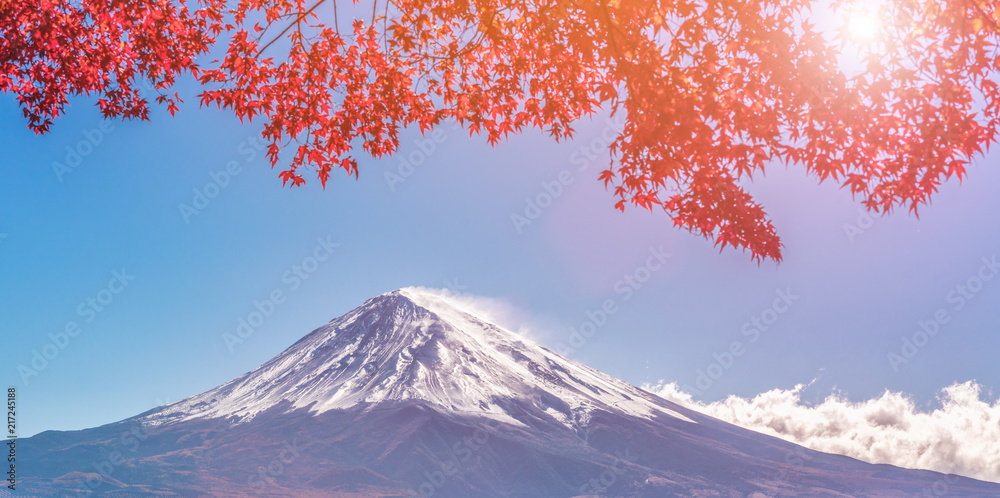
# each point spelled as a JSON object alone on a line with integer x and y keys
{"x": 713, "y": 90}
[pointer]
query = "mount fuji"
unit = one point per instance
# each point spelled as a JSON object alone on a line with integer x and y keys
{"x": 411, "y": 394}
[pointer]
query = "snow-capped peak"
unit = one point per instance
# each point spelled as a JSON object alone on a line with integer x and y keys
{"x": 424, "y": 345}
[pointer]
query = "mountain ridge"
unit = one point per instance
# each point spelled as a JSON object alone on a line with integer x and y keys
{"x": 408, "y": 343}
{"x": 411, "y": 395}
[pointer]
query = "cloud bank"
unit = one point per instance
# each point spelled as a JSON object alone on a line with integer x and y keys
{"x": 493, "y": 310}
{"x": 961, "y": 437}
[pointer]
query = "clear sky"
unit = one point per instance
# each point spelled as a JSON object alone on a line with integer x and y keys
{"x": 154, "y": 332}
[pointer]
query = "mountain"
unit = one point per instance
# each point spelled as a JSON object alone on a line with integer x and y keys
{"x": 411, "y": 345}
{"x": 411, "y": 395}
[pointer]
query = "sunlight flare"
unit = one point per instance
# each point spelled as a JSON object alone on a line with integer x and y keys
{"x": 863, "y": 26}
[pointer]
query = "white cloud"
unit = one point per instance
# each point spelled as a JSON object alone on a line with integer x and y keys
{"x": 961, "y": 437}
{"x": 490, "y": 309}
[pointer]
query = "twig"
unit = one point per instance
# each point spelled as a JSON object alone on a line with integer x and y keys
{"x": 297, "y": 21}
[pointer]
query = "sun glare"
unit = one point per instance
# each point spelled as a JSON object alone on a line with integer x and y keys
{"x": 863, "y": 26}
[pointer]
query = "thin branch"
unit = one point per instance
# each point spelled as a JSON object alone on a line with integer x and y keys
{"x": 385, "y": 28}
{"x": 992, "y": 20}
{"x": 336, "y": 22}
{"x": 297, "y": 21}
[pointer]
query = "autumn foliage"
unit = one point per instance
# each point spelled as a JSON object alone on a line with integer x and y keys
{"x": 714, "y": 91}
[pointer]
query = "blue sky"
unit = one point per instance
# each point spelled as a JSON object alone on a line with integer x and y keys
{"x": 186, "y": 280}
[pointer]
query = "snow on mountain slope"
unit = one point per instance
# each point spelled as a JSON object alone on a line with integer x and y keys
{"x": 412, "y": 344}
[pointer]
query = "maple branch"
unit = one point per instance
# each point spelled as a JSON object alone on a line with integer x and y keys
{"x": 992, "y": 20}
{"x": 385, "y": 27}
{"x": 336, "y": 22}
{"x": 294, "y": 23}
{"x": 918, "y": 69}
{"x": 614, "y": 47}
{"x": 469, "y": 47}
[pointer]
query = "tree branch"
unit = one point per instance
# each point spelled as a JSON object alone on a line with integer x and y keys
{"x": 297, "y": 20}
